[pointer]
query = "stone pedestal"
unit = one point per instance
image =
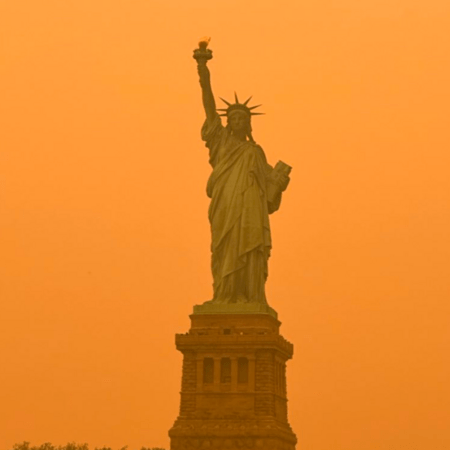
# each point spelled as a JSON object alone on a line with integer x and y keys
{"x": 233, "y": 391}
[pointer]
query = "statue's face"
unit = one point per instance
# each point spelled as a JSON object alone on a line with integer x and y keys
{"x": 238, "y": 121}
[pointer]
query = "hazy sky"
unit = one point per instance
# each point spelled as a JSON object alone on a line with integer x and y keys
{"x": 104, "y": 236}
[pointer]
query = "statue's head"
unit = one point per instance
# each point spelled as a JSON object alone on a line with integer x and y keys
{"x": 239, "y": 116}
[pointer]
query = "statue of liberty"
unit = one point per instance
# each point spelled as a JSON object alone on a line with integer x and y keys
{"x": 244, "y": 189}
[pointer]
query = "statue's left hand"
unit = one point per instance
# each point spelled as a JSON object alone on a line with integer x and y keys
{"x": 281, "y": 179}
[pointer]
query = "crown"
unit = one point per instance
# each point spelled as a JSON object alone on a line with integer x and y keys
{"x": 238, "y": 107}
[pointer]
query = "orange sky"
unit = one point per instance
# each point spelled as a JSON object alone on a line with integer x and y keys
{"x": 104, "y": 236}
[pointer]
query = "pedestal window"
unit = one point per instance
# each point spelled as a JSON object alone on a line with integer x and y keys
{"x": 225, "y": 370}
{"x": 242, "y": 370}
{"x": 208, "y": 370}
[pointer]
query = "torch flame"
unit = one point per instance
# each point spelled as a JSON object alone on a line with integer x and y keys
{"x": 203, "y": 42}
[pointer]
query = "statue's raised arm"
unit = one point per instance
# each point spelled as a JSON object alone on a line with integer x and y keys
{"x": 202, "y": 55}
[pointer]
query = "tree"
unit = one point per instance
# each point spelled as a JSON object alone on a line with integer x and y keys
{"x": 70, "y": 446}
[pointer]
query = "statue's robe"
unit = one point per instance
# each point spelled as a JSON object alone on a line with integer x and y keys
{"x": 238, "y": 214}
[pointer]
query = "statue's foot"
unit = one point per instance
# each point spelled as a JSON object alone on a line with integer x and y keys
{"x": 208, "y": 302}
{"x": 241, "y": 298}
{"x": 217, "y": 301}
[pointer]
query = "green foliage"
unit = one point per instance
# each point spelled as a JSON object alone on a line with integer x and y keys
{"x": 48, "y": 446}
{"x": 70, "y": 446}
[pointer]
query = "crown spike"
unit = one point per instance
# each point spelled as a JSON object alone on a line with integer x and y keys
{"x": 238, "y": 107}
{"x": 228, "y": 103}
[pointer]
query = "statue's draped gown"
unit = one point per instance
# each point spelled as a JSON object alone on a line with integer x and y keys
{"x": 238, "y": 214}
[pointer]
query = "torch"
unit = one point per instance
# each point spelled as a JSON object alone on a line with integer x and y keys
{"x": 203, "y": 53}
